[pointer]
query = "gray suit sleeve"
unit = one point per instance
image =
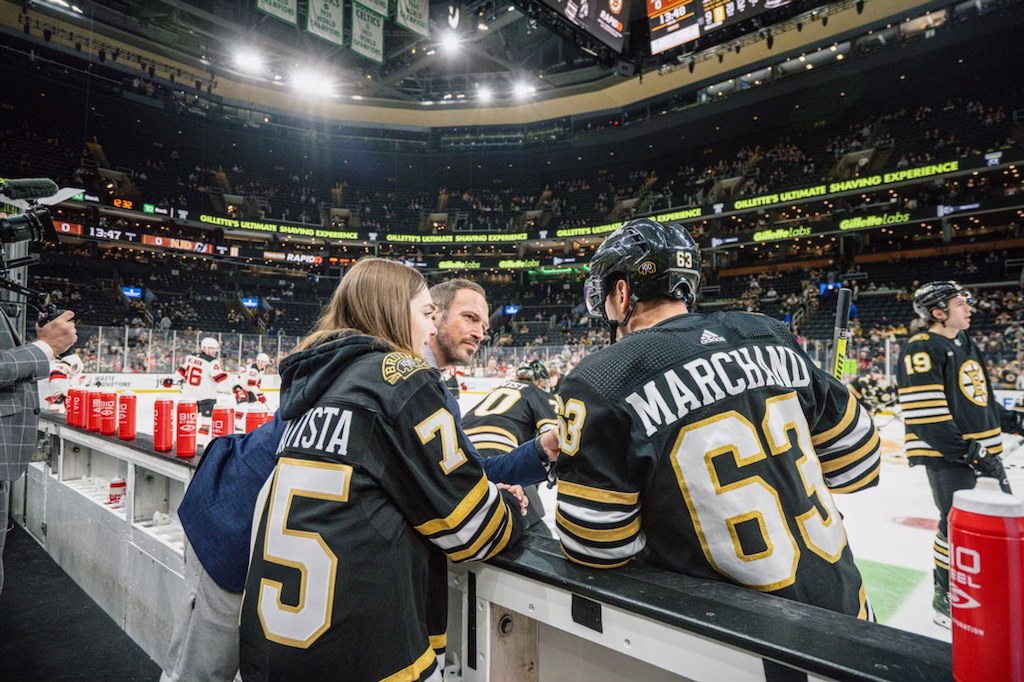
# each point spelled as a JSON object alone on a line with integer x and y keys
{"x": 23, "y": 363}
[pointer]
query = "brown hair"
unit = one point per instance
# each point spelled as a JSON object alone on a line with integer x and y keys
{"x": 372, "y": 298}
{"x": 444, "y": 293}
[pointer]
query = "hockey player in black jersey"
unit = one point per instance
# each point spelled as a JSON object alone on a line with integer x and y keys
{"x": 953, "y": 420}
{"x": 372, "y": 492}
{"x": 513, "y": 413}
{"x": 709, "y": 445}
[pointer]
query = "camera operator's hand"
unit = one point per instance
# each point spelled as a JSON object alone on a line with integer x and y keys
{"x": 985, "y": 463}
{"x": 59, "y": 333}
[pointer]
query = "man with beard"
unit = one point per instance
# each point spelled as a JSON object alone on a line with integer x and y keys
{"x": 461, "y": 322}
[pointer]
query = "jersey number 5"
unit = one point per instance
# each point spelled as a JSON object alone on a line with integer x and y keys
{"x": 717, "y": 509}
{"x": 300, "y": 625}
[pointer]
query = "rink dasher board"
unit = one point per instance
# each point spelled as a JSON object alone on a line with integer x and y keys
{"x": 632, "y": 619}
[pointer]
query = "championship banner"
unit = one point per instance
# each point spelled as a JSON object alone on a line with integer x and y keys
{"x": 285, "y": 10}
{"x": 367, "y": 33}
{"x": 326, "y": 20}
{"x": 414, "y": 15}
{"x": 378, "y": 6}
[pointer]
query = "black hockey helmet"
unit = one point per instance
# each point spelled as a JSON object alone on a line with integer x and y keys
{"x": 936, "y": 295}
{"x": 524, "y": 371}
{"x": 540, "y": 371}
{"x": 656, "y": 259}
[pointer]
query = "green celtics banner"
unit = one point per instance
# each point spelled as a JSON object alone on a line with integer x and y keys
{"x": 414, "y": 15}
{"x": 326, "y": 20}
{"x": 285, "y": 10}
{"x": 378, "y": 6}
{"x": 367, "y": 33}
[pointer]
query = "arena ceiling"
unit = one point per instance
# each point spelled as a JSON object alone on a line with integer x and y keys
{"x": 504, "y": 46}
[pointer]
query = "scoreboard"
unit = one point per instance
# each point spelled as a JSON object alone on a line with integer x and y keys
{"x": 677, "y": 22}
{"x": 602, "y": 19}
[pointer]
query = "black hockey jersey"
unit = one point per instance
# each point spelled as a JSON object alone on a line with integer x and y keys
{"x": 371, "y": 493}
{"x": 947, "y": 399}
{"x": 510, "y": 415}
{"x": 712, "y": 444}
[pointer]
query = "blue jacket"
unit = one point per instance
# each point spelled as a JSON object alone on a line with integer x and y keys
{"x": 218, "y": 506}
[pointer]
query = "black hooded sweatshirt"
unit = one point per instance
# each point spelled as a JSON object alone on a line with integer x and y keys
{"x": 372, "y": 490}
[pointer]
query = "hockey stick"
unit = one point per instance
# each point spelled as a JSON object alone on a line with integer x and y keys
{"x": 1012, "y": 450}
{"x": 841, "y": 332}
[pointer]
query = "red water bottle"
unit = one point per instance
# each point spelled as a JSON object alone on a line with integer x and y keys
{"x": 78, "y": 405}
{"x": 95, "y": 402}
{"x": 986, "y": 593}
{"x": 187, "y": 421}
{"x": 108, "y": 413}
{"x": 118, "y": 487}
{"x": 255, "y": 417}
{"x": 72, "y": 403}
{"x": 163, "y": 427}
{"x": 126, "y": 405}
{"x": 222, "y": 421}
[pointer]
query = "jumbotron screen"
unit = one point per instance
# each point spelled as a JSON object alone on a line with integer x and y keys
{"x": 676, "y": 22}
{"x": 603, "y": 19}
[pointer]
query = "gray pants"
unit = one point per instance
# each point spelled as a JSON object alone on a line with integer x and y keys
{"x": 5, "y": 487}
{"x": 204, "y": 646}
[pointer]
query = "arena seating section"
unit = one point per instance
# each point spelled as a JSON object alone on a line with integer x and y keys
{"x": 277, "y": 173}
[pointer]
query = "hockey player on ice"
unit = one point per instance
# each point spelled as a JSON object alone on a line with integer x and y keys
{"x": 65, "y": 373}
{"x": 200, "y": 376}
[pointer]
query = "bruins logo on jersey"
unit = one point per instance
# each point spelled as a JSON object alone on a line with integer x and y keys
{"x": 972, "y": 382}
{"x": 398, "y": 366}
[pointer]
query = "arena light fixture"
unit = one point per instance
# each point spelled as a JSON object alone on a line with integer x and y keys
{"x": 484, "y": 94}
{"x": 248, "y": 60}
{"x": 450, "y": 42}
{"x": 523, "y": 90}
{"x": 312, "y": 83}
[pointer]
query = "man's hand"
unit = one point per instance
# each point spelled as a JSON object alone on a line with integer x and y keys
{"x": 985, "y": 463}
{"x": 549, "y": 442}
{"x": 516, "y": 490}
{"x": 59, "y": 333}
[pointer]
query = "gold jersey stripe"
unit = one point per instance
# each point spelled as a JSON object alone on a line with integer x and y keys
{"x": 825, "y": 436}
{"x": 828, "y": 466}
{"x": 459, "y": 514}
{"x": 592, "y": 565}
{"x": 488, "y": 445}
{"x": 414, "y": 671}
{"x": 931, "y": 420}
{"x": 503, "y": 542}
{"x": 923, "y": 453}
{"x": 863, "y": 596}
{"x": 492, "y": 429}
{"x": 918, "y": 389}
{"x": 858, "y": 484}
{"x": 546, "y": 422}
{"x": 483, "y": 536}
{"x": 911, "y": 405}
{"x": 439, "y": 641}
{"x": 599, "y": 535}
{"x": 597, "y": 494}
{"x": 984, "y": 434}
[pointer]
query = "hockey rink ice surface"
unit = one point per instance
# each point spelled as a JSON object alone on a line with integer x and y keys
{"x": 890, "y": 527}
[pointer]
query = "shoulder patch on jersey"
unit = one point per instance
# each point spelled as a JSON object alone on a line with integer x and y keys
{"x": 923, "y": 336}
{"x": 398, "y": 366}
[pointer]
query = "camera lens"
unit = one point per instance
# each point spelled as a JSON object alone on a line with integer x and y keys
{"x": 32, "y": 226}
